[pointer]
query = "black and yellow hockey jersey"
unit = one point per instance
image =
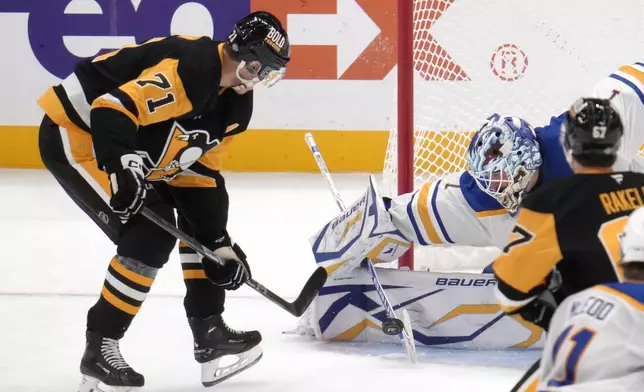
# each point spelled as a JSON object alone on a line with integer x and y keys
{"x": 573, "y": 224}
{"x": 161, "y": 99}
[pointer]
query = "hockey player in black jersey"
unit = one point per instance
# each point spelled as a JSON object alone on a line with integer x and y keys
{"x": 146, "y": 125}
{"x": 566, "y": 238}
{"x": 567, "y": 230}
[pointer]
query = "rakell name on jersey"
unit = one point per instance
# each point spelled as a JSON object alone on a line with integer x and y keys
{"x": 622, "y": 200}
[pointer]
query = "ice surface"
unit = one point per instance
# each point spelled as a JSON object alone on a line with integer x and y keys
{"x": 53, "y": 265}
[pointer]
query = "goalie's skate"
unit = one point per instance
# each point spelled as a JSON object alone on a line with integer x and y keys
{"x": 104, "y": 369}
{"x": 215, "y": 341}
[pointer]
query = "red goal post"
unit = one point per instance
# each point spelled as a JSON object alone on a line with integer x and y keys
{"x": 405, "y": 119}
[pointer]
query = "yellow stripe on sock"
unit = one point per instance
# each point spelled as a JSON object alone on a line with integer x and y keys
{"x": 194, "y": 274}
{"x": 131, "y": 275}
{"x": 118, "y": 303}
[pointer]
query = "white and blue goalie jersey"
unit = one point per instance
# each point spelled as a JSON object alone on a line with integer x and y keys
{"x": 594, "y": 342}
{"x": 625, "y": 89}
{"x": 455, "y": 211}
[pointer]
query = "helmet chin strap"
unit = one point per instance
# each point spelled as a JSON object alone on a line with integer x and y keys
{"x": 247, "y": 84}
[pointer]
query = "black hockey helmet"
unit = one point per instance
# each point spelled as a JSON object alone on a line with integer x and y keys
{"x": 592, "y": 132}
{"x": 260, "y": 42}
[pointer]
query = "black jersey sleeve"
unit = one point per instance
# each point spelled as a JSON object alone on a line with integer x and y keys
{"x": 528, "y": 258}
{"x": 532, "y": 249}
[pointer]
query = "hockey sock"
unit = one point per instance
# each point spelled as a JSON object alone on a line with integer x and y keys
{"x": 203, "y": 298}
{"x": 126, "y": 285}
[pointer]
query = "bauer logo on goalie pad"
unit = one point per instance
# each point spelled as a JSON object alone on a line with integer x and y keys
{"x": 465, "y": 282}
{"x": 463, "y": 316}
{"x": 345, "y": 216}
{"x": 363, "y": 230}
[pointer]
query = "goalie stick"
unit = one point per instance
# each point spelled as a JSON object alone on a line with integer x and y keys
{"x": 392, "y": 325}
{"x": 296, "y": 308}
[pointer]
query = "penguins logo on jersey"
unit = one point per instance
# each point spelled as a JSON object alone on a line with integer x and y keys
{"x": 182, "y": 149}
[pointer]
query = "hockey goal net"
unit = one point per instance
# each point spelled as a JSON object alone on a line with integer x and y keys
{"x": 461, "y": 60}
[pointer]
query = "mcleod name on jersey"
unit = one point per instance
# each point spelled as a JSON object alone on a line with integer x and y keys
{"x": 161, "y": 98}
{"x": 594, "y": 341}
{"x": 572, "y": 224}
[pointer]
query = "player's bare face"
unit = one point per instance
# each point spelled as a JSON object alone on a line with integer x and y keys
{"x": 250, "y": 70}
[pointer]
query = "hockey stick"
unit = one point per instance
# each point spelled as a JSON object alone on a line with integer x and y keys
{"x": 296, "y": 308}
{"x": 529, "y": 379}
{"x": 392, "y": 325}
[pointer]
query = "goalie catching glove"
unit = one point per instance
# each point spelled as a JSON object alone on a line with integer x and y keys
{"x": 235, "y": 271}
{"x": 363, "y": 230}
{"x": 127, "y": 184}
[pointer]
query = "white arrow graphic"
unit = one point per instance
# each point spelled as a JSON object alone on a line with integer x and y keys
{"x": 351, "y": 30}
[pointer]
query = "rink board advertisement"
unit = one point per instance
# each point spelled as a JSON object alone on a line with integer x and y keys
{"x": 530, "y": 58}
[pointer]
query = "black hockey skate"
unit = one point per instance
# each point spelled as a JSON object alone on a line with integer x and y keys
{"x": 103, "y": 367}
{"x": 214, "y": 340}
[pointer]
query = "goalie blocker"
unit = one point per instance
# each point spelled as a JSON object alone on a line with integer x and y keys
{"x": 364, "y": 230}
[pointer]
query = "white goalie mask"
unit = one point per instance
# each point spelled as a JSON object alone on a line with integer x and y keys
{"x": 504, "y": 158}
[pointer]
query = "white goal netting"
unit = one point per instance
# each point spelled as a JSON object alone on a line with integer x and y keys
{"x": 529, "y": 58}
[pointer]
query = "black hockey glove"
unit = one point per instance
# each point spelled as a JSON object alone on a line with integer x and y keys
{"x": 235, "y": 272}
{"x": 542, "y": 308}
{"x": 540, "y": 311}
{"x": 128, "y": 186}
